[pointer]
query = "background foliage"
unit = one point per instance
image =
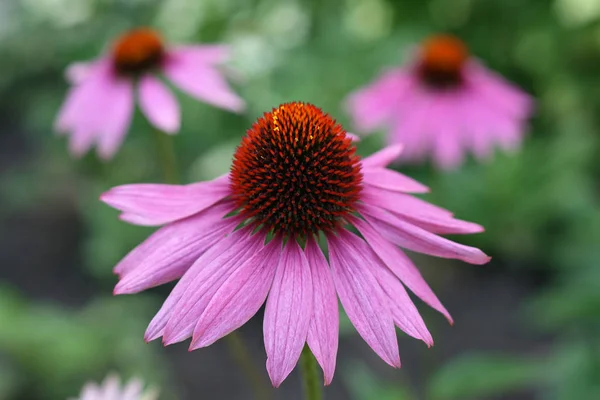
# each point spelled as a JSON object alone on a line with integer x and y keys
{"x": 58, "y": 324}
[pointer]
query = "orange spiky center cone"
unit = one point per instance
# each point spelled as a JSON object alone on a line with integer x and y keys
{"x": 296, "y": 172}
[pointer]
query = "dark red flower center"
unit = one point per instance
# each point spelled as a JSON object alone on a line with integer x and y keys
{"x": 137, "y": 51}
{"x": 296, "y": 172}
{"x": 442, "y": 60}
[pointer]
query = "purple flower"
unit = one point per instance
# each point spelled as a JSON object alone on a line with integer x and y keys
{"x": 294, "y": 177}
{"x": 99, "y": 106}
{"x": 443, "y": 104}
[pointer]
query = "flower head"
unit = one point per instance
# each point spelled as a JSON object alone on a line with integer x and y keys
{"x": 443, "y": 104}
{"x": 111, "y": 389}
{"x": 99, "y": 106}
{"x": 251, "y": 236}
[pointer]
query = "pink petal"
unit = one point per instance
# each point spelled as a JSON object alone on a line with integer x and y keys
{"x": 400, "y": 265}
{"x": 204, "y": 83}
{"x": 405, "y": 314}
{"x": 169, "y": 252}
{"x": 81, "y": 141}
{"x": 442, "y": 226}
{"x": 383, "y": 157}
{"x": 418, "y": 212}
{"x": 75, "y": 103}
{"x": 214, "y": 266}
{"x": 78, "y": 72}
{"x": 288, "y": 313}
{"x": 81, "y": 98}
{"x": 411, "y": 237}
{"x": 158, "y": 104}
{"x": 83, "y": 112}
{"x": 205, "y": 284}
{"x": 498, "y": 92}
{"x": 413, "y": 129}
{"x": 374, "y": 105}
{"x": 448, "y": 152}
{"x": 352, "y": 266}
{"x": 157, "y": 204}
{"x": 489, "y": 126}
{"x": 202, "y": 54}
{"x": 402, "y": 204}
{"x": 324, "y": 325}
{"x": 239, "y": 298}
{"x": 391, "y": 180}
{"x": 117, "y": 117}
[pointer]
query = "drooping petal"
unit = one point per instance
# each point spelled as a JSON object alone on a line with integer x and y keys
{"x": 200, "y": 277}
{"x": 78, "y": 72}
{"x": 413, "y": 129}
{"x": 361, "y": 295}
{"x": 81, "y": 140}
{"x": 391, "y": 180}
{"x": 324, "y": 325}
{"x": 373, "y": 105}
{"x": 80, "y": 100}
{"x": 159, "y": 104}
{"x": 400, "y": 265}
{"x": 418, "y": 212}
{"x": 288, "y": 312}
{"x": 83, "y": 113}
{"x": 239, "y": 298}
{"x": 448, "y": 148}
{"x": 411, "y": 237}
{"x": 206, "y": 282}
{"x": 169, "y": 252}
{"x": 383, "y": 157}
{"x": 204, "y": 83}
{"x": 117, "y": 117}
{"x": 405, "y": 314}
{"x": 158, "y": 204}
{"x": 494, "y": 90}
{"x": 400, "y": 203}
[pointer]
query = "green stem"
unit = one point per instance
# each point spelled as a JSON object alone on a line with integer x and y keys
{"x": 166, "y": 155}
{"x": 242, "y": 357}
{"x": 310, "y": 375}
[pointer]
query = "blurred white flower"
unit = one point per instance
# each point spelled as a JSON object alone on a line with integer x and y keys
{"x": 111, "y": 389}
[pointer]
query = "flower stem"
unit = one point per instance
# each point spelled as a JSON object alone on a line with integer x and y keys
{"x": 166, "y": 155}
{"x": 242, "y": 357}
{"x": 310, "y": 375}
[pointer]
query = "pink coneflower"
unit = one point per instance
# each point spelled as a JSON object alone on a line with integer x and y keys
{"x": 111, "y": 389}
{"x": 295, "y": 176}
{"x": 443, "y": 104}
{"x": 99, "y": 106}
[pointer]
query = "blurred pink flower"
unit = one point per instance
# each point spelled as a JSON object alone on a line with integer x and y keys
{"x": 294, "y": 176}
{"x": 443, "y": 104}
{"x": 99, "y": 106}
{"x": 111, "y": 389}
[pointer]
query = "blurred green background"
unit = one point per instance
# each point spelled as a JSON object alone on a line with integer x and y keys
{"x": 527, "y": 325}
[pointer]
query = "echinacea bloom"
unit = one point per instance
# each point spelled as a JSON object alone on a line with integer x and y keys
{"x": 99, "y": 106}
{"x": 111, "y": 389}
{"x": 294, "y": 177}
{"x": 443, "y": 104}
